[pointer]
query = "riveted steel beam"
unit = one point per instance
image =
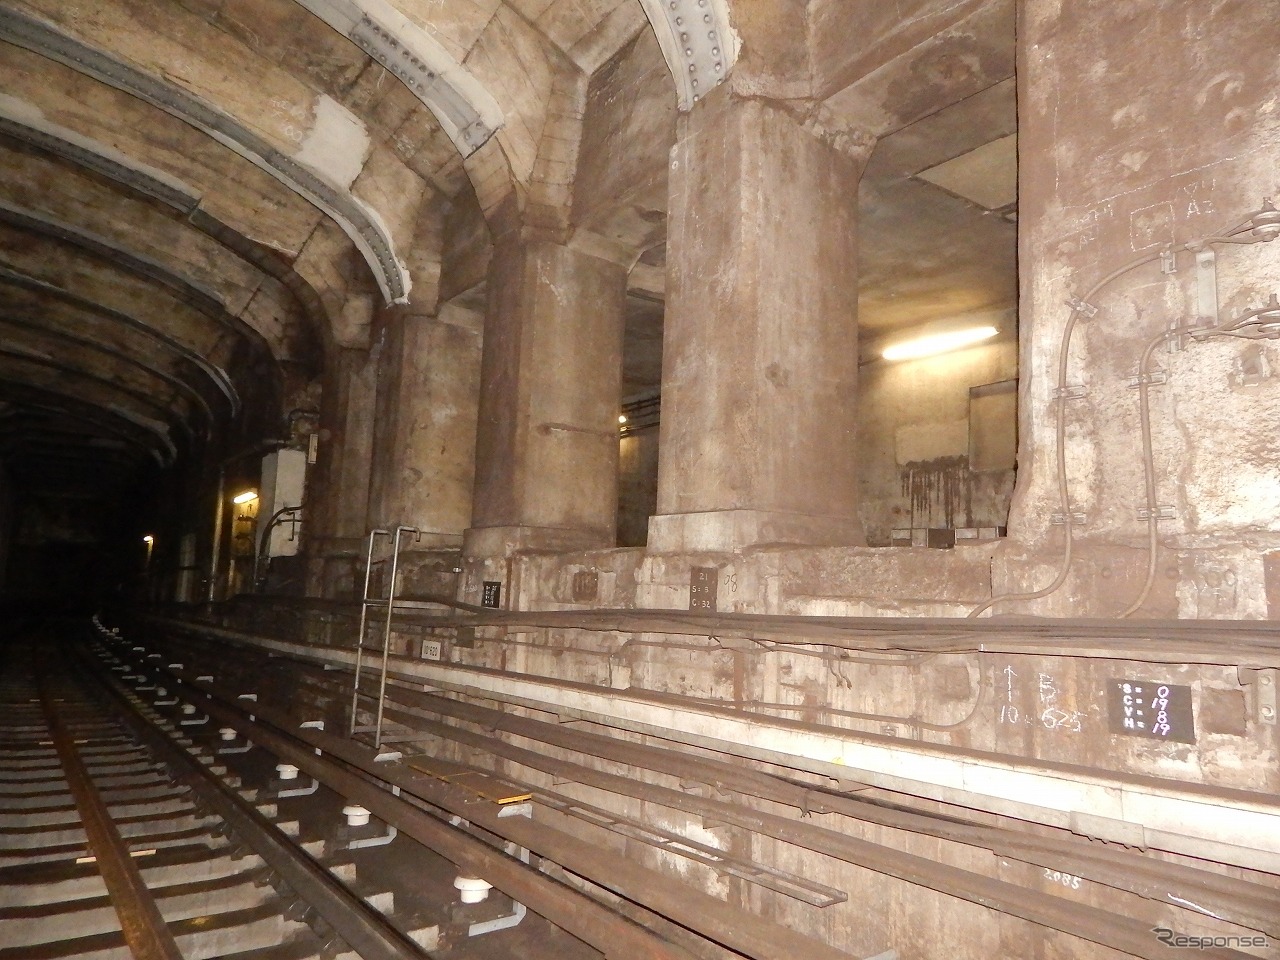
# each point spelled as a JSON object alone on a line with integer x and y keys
{"x": 467, "y": 112}
{"x": 93, "y": 156}
{"x": 698, "y": 42}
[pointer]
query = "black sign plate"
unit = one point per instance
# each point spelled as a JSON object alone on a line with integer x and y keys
{"x": 491, "y": 594}
{"x": 702, "y": 588}
{"x": 1146, "y": 708}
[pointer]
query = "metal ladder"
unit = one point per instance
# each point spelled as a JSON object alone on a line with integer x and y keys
{"x": 366, "y": 603}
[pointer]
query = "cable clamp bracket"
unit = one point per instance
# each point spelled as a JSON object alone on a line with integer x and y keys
{"x": 1164, "y": 511}
{"x": 1085, "y": 309}
{"x": 1153, "y": 378}
{"x": 1075, "y": 391}
{"x": 1075, "y": 519}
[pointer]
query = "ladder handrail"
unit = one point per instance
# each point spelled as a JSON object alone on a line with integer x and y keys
{"x": 386, "y": 632}
{"x": 364, "y": 618}
{"x": 396, "y": 534}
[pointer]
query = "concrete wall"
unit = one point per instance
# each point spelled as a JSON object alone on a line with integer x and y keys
{"x": 1164, "y": 151}
{"x": 914, "y": 443}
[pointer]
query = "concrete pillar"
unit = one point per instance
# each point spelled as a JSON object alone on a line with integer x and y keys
{"x": 424, "y": 432}
{"x": 336, "y": 506}
{"x": 760, "y": 343}
{"x": 547, "y": 441}
{"x": 1124, "y": 157}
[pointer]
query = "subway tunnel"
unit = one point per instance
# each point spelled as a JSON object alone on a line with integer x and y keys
{"x": 639, "y": 479}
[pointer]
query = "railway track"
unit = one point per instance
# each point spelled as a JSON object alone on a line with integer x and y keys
{"x": 123, "y": 833}
{"x": 196, "y": 729}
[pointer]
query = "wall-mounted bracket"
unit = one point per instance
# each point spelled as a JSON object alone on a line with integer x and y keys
{"x": 1086, "y": 310}
{"x": 1263, "y": 682}
{"x": 1207, "y": 285}
{"x": 1164, "y": 511}
{"x": 1077, "y": 519}
{"x": 1076, "y": 391}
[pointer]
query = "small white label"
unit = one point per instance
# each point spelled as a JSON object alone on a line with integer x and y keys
{"x": 430, "y": 649}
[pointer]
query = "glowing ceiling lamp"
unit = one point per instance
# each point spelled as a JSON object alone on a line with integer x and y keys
{"x": 245, "y": 497}
{"x": 935, "y": 343}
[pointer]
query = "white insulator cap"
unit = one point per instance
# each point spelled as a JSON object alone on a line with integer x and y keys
{"x": 161, "y": 692}
{"x": 227, "y": 733}
{"x": 356, "y": 815}
{"x": 473, "y": 889}
{"x": 286, "y": 771}
{"x": 188, "y": 708}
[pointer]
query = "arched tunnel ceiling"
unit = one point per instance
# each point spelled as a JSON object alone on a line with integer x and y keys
{"x": 202, "y": 197}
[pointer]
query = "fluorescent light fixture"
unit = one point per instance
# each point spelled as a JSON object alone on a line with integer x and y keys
{"x": 935, "y": 343}
{"x": 245, "y": 497}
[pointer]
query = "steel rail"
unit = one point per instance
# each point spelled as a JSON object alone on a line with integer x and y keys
{"x": 362, "y": 928}
{"x": 1067, "y": 916}
{"x": 708, "y": 916}
{"x": 1157, "y": 641}
{"x": 416, "y": 671}
{"x": 592, "y": 922}
{"x": 144, "y": 927}
{"x": 1229, "y": 898}
{"x": 1243, "y": 902}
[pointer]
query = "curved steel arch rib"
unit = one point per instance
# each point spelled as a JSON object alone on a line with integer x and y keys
{"x": 356, "y": 220}
{"x": 191, "y": 293}
{"x": 108, "y": 419}
{"x": 113, "y": 386}
{"x": 220, "y": 377}
{"x": 90, "y": 344}
{"x": 143, "y": 181}
{"x": 698, "y": 42}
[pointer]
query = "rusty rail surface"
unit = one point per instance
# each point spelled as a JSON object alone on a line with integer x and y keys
{"x": 143, "y": 926}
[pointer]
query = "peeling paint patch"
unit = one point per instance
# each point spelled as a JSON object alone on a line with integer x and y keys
{"x": 337, "y": 145}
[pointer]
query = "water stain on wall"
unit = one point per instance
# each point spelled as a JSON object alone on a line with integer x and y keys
{"x": 938, "y": 491}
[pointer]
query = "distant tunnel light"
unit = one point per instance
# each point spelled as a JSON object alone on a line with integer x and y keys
{"x": 245, "y": 497}
{"x": 148, "y": 539}
{"x": 936, "y": 343}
